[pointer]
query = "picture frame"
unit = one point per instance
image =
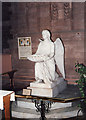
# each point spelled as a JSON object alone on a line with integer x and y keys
{"x": 24, "y": 47}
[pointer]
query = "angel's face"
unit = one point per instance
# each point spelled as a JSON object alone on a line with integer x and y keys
{"x": 45, "y": 35}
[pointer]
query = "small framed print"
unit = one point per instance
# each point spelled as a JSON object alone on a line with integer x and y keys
{"x": 24, "y": 47}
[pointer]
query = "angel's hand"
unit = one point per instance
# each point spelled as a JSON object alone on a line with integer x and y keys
{"x": 41, "y": 39}
{"x": 29, "y": 57}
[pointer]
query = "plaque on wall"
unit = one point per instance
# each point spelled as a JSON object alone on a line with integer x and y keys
{"x": 24, "y": 47}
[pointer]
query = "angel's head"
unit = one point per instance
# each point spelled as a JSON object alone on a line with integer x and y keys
{"x": 46, "y": 34}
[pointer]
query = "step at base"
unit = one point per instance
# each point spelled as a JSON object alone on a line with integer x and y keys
{"x": 61, "y": 113}
{"x": 31, "y": 105}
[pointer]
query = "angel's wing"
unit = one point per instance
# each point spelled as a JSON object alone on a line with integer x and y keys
{"x": 59, "y": 56}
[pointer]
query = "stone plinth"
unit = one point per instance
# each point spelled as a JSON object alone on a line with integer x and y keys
{"x": 48, "y": 90}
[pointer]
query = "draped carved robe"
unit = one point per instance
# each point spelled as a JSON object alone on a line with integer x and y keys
{"x": 45, "y": 64}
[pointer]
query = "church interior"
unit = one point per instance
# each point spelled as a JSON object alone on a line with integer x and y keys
{"x": 65, "y": 20}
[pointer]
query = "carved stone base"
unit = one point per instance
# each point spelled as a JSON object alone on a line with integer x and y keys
{"x": 48, "y": 90}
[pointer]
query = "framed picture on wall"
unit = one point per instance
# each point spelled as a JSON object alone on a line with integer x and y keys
{"x": 24, "y": 47}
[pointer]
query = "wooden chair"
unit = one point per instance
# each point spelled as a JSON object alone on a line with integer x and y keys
{"x": 5, "y": 59}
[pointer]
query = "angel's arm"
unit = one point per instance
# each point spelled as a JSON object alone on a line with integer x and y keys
{"x": 37, "y": 58}
{"x": 41, "y": 58}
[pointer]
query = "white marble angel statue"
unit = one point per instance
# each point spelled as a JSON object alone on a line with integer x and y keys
{"x": 46, "y": 57}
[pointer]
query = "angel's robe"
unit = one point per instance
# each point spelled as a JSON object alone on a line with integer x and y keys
{"x": 45, "y": 63}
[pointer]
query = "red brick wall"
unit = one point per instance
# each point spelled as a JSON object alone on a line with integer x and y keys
{"x": 62, "y": 19}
